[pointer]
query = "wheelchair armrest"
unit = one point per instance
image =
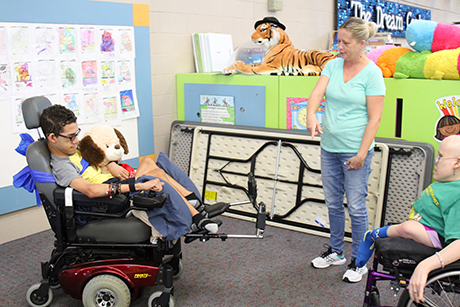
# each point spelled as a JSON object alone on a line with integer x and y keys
{"x": 80, "y": 199}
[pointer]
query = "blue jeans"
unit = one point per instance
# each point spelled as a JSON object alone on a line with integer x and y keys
{"x": 337, "y": 181}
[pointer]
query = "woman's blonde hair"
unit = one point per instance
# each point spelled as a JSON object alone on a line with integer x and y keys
{"x": 361, "y": 30}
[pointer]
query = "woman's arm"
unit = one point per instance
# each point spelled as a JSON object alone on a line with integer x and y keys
{"x": 313, "y": 103}
{"x": 449, "y": 254}
{"x": 374, "y": 114}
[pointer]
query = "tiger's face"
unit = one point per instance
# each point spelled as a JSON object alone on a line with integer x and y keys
{"x": 266, "y": 34}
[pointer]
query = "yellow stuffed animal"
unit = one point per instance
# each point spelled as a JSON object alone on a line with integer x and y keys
{"x": 282, "y": 58}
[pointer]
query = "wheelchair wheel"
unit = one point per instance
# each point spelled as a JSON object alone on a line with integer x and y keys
{"x": 153, "y": 299}
{"x": 106, "y": 290}
{"x": 35, "y": 301}
{"x": 178, "y": 269}
{"x": 442, "y": 289}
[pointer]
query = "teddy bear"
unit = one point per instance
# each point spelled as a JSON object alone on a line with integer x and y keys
{"x": 104, "y": 144}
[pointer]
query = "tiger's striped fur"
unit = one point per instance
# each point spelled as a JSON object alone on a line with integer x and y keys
{"x": 282, "y": 58}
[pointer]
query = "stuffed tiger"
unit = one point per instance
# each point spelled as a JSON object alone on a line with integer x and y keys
{"x": 282, "y": 58}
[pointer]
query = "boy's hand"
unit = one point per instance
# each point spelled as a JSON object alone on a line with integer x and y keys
{"x": 154, "y": 185}
{"x": 117, "y": 171}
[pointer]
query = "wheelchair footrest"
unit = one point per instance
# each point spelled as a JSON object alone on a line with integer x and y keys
{"x": 216, "y": 209}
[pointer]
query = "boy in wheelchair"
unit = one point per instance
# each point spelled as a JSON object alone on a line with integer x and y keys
{"x": 60, "y": 128}
{"x": 433, "y": 220}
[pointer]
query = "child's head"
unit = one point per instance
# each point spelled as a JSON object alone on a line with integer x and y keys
{"x": 54, "y": 118}
{"x": 447, "y": 166}
{"x": 59, "y": 125}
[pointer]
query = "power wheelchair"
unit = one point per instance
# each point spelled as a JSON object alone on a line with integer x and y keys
{"x": 109, "y": 260}
{"x": 395, "y": 260}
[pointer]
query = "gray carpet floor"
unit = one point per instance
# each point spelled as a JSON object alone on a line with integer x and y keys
{"x": 274, "y": 271}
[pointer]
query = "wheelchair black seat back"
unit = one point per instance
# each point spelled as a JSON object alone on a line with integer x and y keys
{"x": 395, "y": 260}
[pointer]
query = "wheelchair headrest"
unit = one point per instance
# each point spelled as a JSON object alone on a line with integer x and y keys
{"x": 32, "y": 109}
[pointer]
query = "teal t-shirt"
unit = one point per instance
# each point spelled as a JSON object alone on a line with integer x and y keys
{"x": 438, "y": 207}
{"x": 345, "y": 114}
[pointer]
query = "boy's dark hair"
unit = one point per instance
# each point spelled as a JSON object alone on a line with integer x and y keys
{"x": 54, "y": 118}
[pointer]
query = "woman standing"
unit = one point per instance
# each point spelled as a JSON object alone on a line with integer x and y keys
{"x": 355, "y": 91}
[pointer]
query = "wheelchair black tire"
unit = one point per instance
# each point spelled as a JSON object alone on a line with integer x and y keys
{"x": 106, "y": 287}
{"x": 448, "y": 277}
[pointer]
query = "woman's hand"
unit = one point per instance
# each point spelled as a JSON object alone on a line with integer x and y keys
{"x": 313, "y": 126}
{"x": 355, "y": 162}
{"x": 417, "y": 283}
{"x": 117, "y": 171}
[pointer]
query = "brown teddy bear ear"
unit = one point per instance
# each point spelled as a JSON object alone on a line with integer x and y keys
{"x": 122, "y": 139}
{"x": 90, "y": 151}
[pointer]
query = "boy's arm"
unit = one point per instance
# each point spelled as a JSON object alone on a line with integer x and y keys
{"x": 100, "y": 190}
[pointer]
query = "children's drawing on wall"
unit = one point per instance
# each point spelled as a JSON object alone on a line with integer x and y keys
{"x": 20, "y": 40}
{"x": 124, "y": 72}
{"x": 23, "y": 75}
{"x": 68, "y": 74}
{"x": 89, "y": 72}
{"x": 87, "y": 40}
{"x": 217, "y": 109}
{"x": 67, "y": 40}
{"x": 88, "y": 68}
{"x": 107, "y": 75}
{"x": 126, "y": 38}
{"x": 70, "y": 100}
{"x": 3, "y": 41}
{"x": 128, "y": 102}
{"x": 5, "y": 79}
{"x": 18, "y": 119}
{"x": 111, "y": 113}
{"x": 91, "y": 107}
{"x": 45, "y": 41}
{"x": 107, "y": 40}
{"x": 46, "y": 73}
{"x": 296, "y": 113}
{"x": 449, "y": 122}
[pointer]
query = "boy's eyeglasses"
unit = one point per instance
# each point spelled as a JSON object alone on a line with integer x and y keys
{"x": 72, "y": 136}
{"x": 437, "y": 158}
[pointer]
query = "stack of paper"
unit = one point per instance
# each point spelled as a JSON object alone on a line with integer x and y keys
{"x": 212, "y": 51}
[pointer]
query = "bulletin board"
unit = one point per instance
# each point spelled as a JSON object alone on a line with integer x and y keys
{"x": 137, "y": 128}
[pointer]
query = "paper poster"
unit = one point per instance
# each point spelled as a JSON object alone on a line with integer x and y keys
{"x": 20, "y": 40}
{"x": 45, "y": 41}
{"x": 67, "y": 40}
{"x": 296, "y": 113}
{"x": 23, "y": 75}
{"x": 68, "y": 70}
{"x": 46, "y": 73}
{"x": 88, "y": 40}
{"x": 91, "y": 108}
{"x": 18, "y": 120}
{"x": 108, "y": 78}
{"x": 217, "y": 109}
{"x": 5, "y": 80}
{"x": 111, "y": 110}
{"x": 128, "y": 103}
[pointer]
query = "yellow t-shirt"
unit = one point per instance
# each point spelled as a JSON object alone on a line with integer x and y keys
{"x": 92, "y": 173}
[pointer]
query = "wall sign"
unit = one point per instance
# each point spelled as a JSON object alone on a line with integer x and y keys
{"x": 389, "y": 16}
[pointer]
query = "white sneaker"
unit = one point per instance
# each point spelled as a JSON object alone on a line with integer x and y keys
{"x": 327, "y": 259}
{"x": 354, "y": 274}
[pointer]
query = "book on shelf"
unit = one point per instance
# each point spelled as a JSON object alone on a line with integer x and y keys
{"x": 212, "y": 51}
